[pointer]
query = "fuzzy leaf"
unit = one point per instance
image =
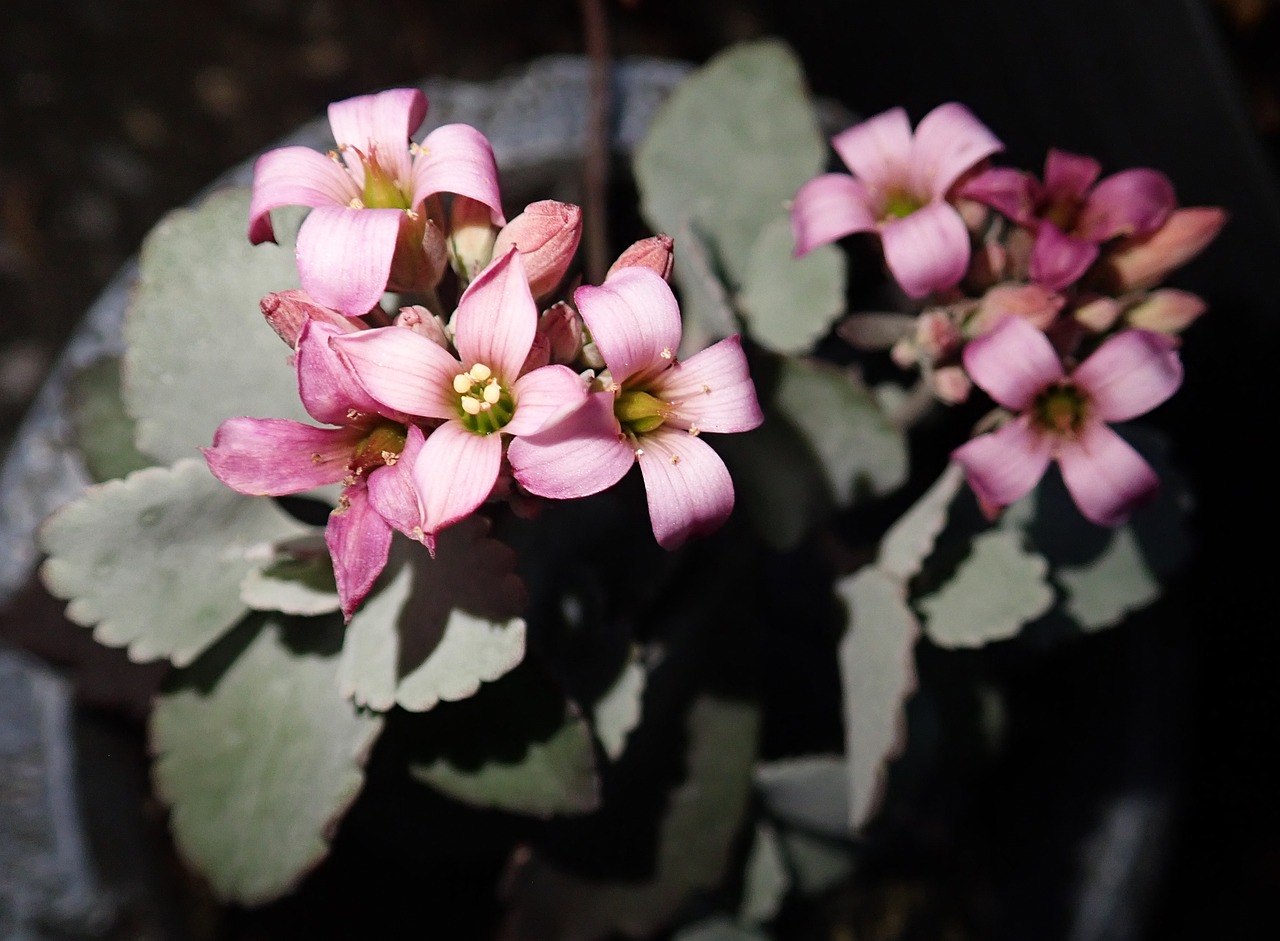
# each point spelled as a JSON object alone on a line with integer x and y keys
{"x": 811, "y": 792}
{"x": 877, "y": 672}
{"x": 817, "y": 864}
{"x": 910, "y": 540}
{"x": 197, "y": 349}
{"x": 102, "y": 430}
{"x": 154, "y": 562}
{"x": 790, "y": 303}
{"x": 293, "y": 584}
{"x": 618, "y": 711}
{"x": 720, "y": 928}
{"x": 765, "y": 882}
{"x": 258, "y": 756}
{"x": 1118, "y": 581}
{"x": 705, "y": 309}
{"x": 998, "y": 588}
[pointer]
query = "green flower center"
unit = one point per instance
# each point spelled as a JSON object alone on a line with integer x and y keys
{"x": 484, "y": 404}
{"x": 639, "y": 412}
{"x": 1061, "y": 410}
{"x": 382, "y": 445}
{"x": 380, "y": 189}
{"x": 899, "y": 204}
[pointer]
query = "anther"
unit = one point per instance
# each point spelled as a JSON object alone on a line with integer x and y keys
{"x": 639, "y": 452}
{"x": 695, "y": 430}
{"x": 492, "y": 392}
{"x": 462, "y": 383}
{"x": 471, "y": 406}
{"x": 675, "y": 459}
{"x": 666, "y": 353}
{"x": 356, "y": 203}
{"x": 706, "y": 389}
{"x": 480, "y": 372}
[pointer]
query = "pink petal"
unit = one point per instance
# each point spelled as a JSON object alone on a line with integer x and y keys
{"x": 1057, "y": 259}
{"x": 1106, "y": 477}
{"x": 1013, "y": 363}
{"x": 1144, "y": 262}
{"x": 403, "y": 370}
{"x": 547, "y": 235}
{"x": 1130, "y": 374}
{"x": 497, "y": 318}
{"x": 634, "y": 321}
{"x": 1068, "y": 176}
{"x": 829, "y": 207}
{"x": 927, "y": 250}
{"x": 456, "y": 158}
{"x": 1167, "y": 311}
{"x": 949, "y": 141}
{"x": 359, "y": 541}
{"x": 581, "y": 455}
{"x": 288, "y": 312}
{"x": 1010, "y": 191}
{"x": 543, "y": 397}
{"x": 295, "y": 176}
{"x": 345, "y": 255}
{"x": 712, "y": 390}
{"x": 328, "y": 388}
{"x": 688, "y": 487}
{"x": 656, "y": 252}
{"x": 379, "y": 126}
{"x": 878, "y": 150}
{"x": 274, "y": 456}
{"x": 1003, "y": 467}
{"x": 455, "y": 473}
{"x": 391, "y": 490}
{"x": 1134, "y": 202}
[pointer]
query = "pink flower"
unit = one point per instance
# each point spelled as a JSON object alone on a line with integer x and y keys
{"x": 369, "y": 452}
{"x": 899, "y": 189}
{"x": 478, "y": 398}
{"x": 651, "y": 412}
{"x": 1072, "y": 213}
{"x": 368, "y": 228}
{"x": 1064, "y": 417}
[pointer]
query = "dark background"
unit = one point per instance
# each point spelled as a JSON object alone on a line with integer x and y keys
{"x": 113, "y": 112}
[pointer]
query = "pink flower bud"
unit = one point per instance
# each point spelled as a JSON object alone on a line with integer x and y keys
{"x": 655, "y": 253}
{"x": 1099, "y": 314}
{"x": 288, "y": 312}
{"x": 1032, "y": 302}
{"x": 421, "y": 256}
{"x": 1168, "y": 311}
{"x": 546, "y": 234}
{"x": 1144, "y": 262}
{"x": 471, "y": 237}
{"x": 424, "y": 323}
{"x": 936, "y": 334}
{"x": 951, "y": 384}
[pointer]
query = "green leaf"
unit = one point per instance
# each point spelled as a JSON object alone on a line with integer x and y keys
{"x": 705, "y": 309}
{"x": 197, "y": 349}
{"x": 790, "y": 303}
{"x": 765, "y": 882}
{"x": 435, "y": 629}
{"x": 618, "y": 711}
{"x": 1118, "y": 581}
{"x": 299, "y": 580}
{"x": 998, "y": 588}
{"x": 877, "y": 672}
{"x": 103, "y": 432}
{"x": 811, "y": 792}
{"x": 258, "y": 756}
{"x": 155, "y": 561}
{"x": 818, "y": 864}
{"x": 910, "y": 540}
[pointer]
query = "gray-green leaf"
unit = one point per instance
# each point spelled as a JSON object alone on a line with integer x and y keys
{"x": 103, "y": 431}
{"x": 790, "y": 303}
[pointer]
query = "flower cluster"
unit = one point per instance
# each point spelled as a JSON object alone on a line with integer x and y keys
{"x": 1042, "y": 292}
{"x": 478, "y": 391}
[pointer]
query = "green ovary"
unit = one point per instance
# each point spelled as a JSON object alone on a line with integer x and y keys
{"x": 899, "y": 204}
{"x": 1061, "y": 410}
{"x": 639, "y": 412}
{"x": 382, "y": 445}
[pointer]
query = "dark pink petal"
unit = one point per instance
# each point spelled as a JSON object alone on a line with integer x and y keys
{"x": 1068, "y": 176}
{"x": 1134, "y": 202}
{"x": 1009, "y": 191}
{"x": 711, "y": 390}
{"x": 543, "y": 397}
{"x": 1130, "y": 374}
{"x": 345, "y": 255}
{"x": 829, "y": 207}
{"x": 688, "y": 487}
{"x": 379, "y": 126}
{"x": 581, "y": 455}
{"x": 359, "y": 541}
{"x": 1106, "y": 477}
{"x": 274, "y": 456}
{"x": 927, "y": 250}
{"x": 878, "y": 150}
{"x": 455, "y": 473}
{"x": 295, "y": 176}
{"x": 329, "y": 390}
{"x": 288, "y": 312}
{"x": 1057, "y": 259}
{"x": 497, "y": 318}
{"x": 1003, "y": 467}
{"x": 456, "y": 158}
{"x": 402, "y": 370}
{"x": 949, "y": 141}
{"x": 391, "y": 490}
{"x": 547, "y": 235}
{"x": 635, "y": 322}
{"x": 1013, "y": 363}
{"x": 656, "y": 253}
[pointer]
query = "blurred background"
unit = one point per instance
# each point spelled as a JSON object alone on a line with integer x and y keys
{"x": 114, "y": 111}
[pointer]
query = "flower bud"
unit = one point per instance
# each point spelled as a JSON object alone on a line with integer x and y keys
{"x": 1168, "y": 311}
{"x": 1099, "y": 314}
{"x": 1145, "y": 262}
{"x": 424, "y": 323}
{"x": 471, "y": 237}
{"x": 546, "y": 235}
{"x": 562, "y": 328}
{"x": 288, "y": 312}
{"x": 1032, "y": 302}
{"x": 655, "y": 253}
{"x": 951, "y": 384}
{"x": 421, "y": 257}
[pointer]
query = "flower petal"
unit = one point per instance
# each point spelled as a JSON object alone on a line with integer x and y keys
{"x": 1133, "y": 202}
{"x": 288, "y": 312}
{"x": 455, "y": 473}
{"x": 403, "y": 370}
{"x": 634, "y": 321}
{"x": 712, "y": 390}
{"x": 581, "y": 455}
{"x": 543, "y": 397}
{"x": 1130, "y": 374}
{"x": 949, "y": 141}
{"x": 1010, "y": 191}
{"x": 359, "y": 542}
{"x": 456, "y": 158}
{"x": 345, "y": 255}
{"x": 497, "y": 318}
{"x": 927, "y": 250}
{"x": 829, "y": 207}
{"x": 1003, "y": 467}
{"x": 1058, "y": 259}
{"x": 274, "y": 456}
{"x": 1068, "y": 176}
{"x": 379, "y": 126}
{"x": 1106, "y": 477}
{"x": 1012, "y": 363}
{"x": 878, "y": 150}
{"x": 391, "y": 490}
{"x": 688, "y": 487}
{"x": 295, "y": 176}
{"x": 1144, "y": 262}
{"x": 327, "y": 386}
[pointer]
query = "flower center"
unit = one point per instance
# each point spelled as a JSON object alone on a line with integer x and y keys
{"x": 382, "y": 445}
{"x": 639, "y": 412}
{"x": 899, "y": 204}
{"x": 380, "y": 189}
{"x": 1060, "y": 409}
{"x": 1063, "y": 212}
{"x": 484, "y": 404}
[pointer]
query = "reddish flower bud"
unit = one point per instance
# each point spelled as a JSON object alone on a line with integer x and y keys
{"x": 546, "y": 234}
{"x": 655, "y": 253}
{"x": 1168, "y": 311}
{"x": 424, "y": 323}
{"x": 1031, "y": 302}
{"x": 1144, "y": 262}
{"x": 288, "y": 312}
